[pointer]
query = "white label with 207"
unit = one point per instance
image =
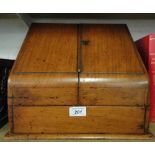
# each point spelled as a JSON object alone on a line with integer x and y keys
{"x": 77, "y": 111}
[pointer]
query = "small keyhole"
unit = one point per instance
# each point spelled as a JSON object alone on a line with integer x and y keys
{"x": 84, "y": 42}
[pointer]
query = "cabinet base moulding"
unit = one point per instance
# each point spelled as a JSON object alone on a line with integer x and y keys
{"x": 78, "y": 137}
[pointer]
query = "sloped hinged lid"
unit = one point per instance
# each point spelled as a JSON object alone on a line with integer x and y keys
{"x": 45, "y": 72}
{"x": 49, "y": 48}
{"x": 110, "y": 50}
{"x": 112, "y": 72}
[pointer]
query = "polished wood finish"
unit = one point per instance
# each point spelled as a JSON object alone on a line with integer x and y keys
{"x": 44, "y": 89}
{"x": 48, "y": 76}
{"x": 80, "y": 137}
{"x": 113, "y": 89}
{"x": 109, "y": 47}
{"x": 56, "y": 89}
{"x": 96, "y": 66}
{"x": 44, "y": 51}
{"x": 55, "y": 119}
{"x": 111, "y": 68}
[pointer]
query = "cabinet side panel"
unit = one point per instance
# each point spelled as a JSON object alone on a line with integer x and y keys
{"x": 10, "y": 102}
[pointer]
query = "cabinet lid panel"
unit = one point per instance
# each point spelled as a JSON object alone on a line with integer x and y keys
{"x": 110, "y": 49}
{"x": 48, "y": 48}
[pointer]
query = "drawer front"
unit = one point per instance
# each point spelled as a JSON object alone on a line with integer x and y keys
{"x": 98, "y": 119}
{"x": 113, "y": 96}
{"x": 113, "y": 89}
{"x": 45, "y": 96}
{"x": 43, "y": 89}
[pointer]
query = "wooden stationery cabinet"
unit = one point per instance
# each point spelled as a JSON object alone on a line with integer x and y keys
{"x": 77, "y": 80}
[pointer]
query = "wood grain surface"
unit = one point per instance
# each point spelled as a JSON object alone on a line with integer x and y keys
{"x": 81, "y": 137}
{"x": 44, "y": 89}
{"x": 49, "y": 48}
{"x": 113, "y": 89}
{"x": 63, "y": 65}
{"x": 110, "y": 50}
{"x": 99, "y": 119}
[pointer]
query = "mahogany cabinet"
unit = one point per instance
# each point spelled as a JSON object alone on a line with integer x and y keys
{"x": 78, "y": 79}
